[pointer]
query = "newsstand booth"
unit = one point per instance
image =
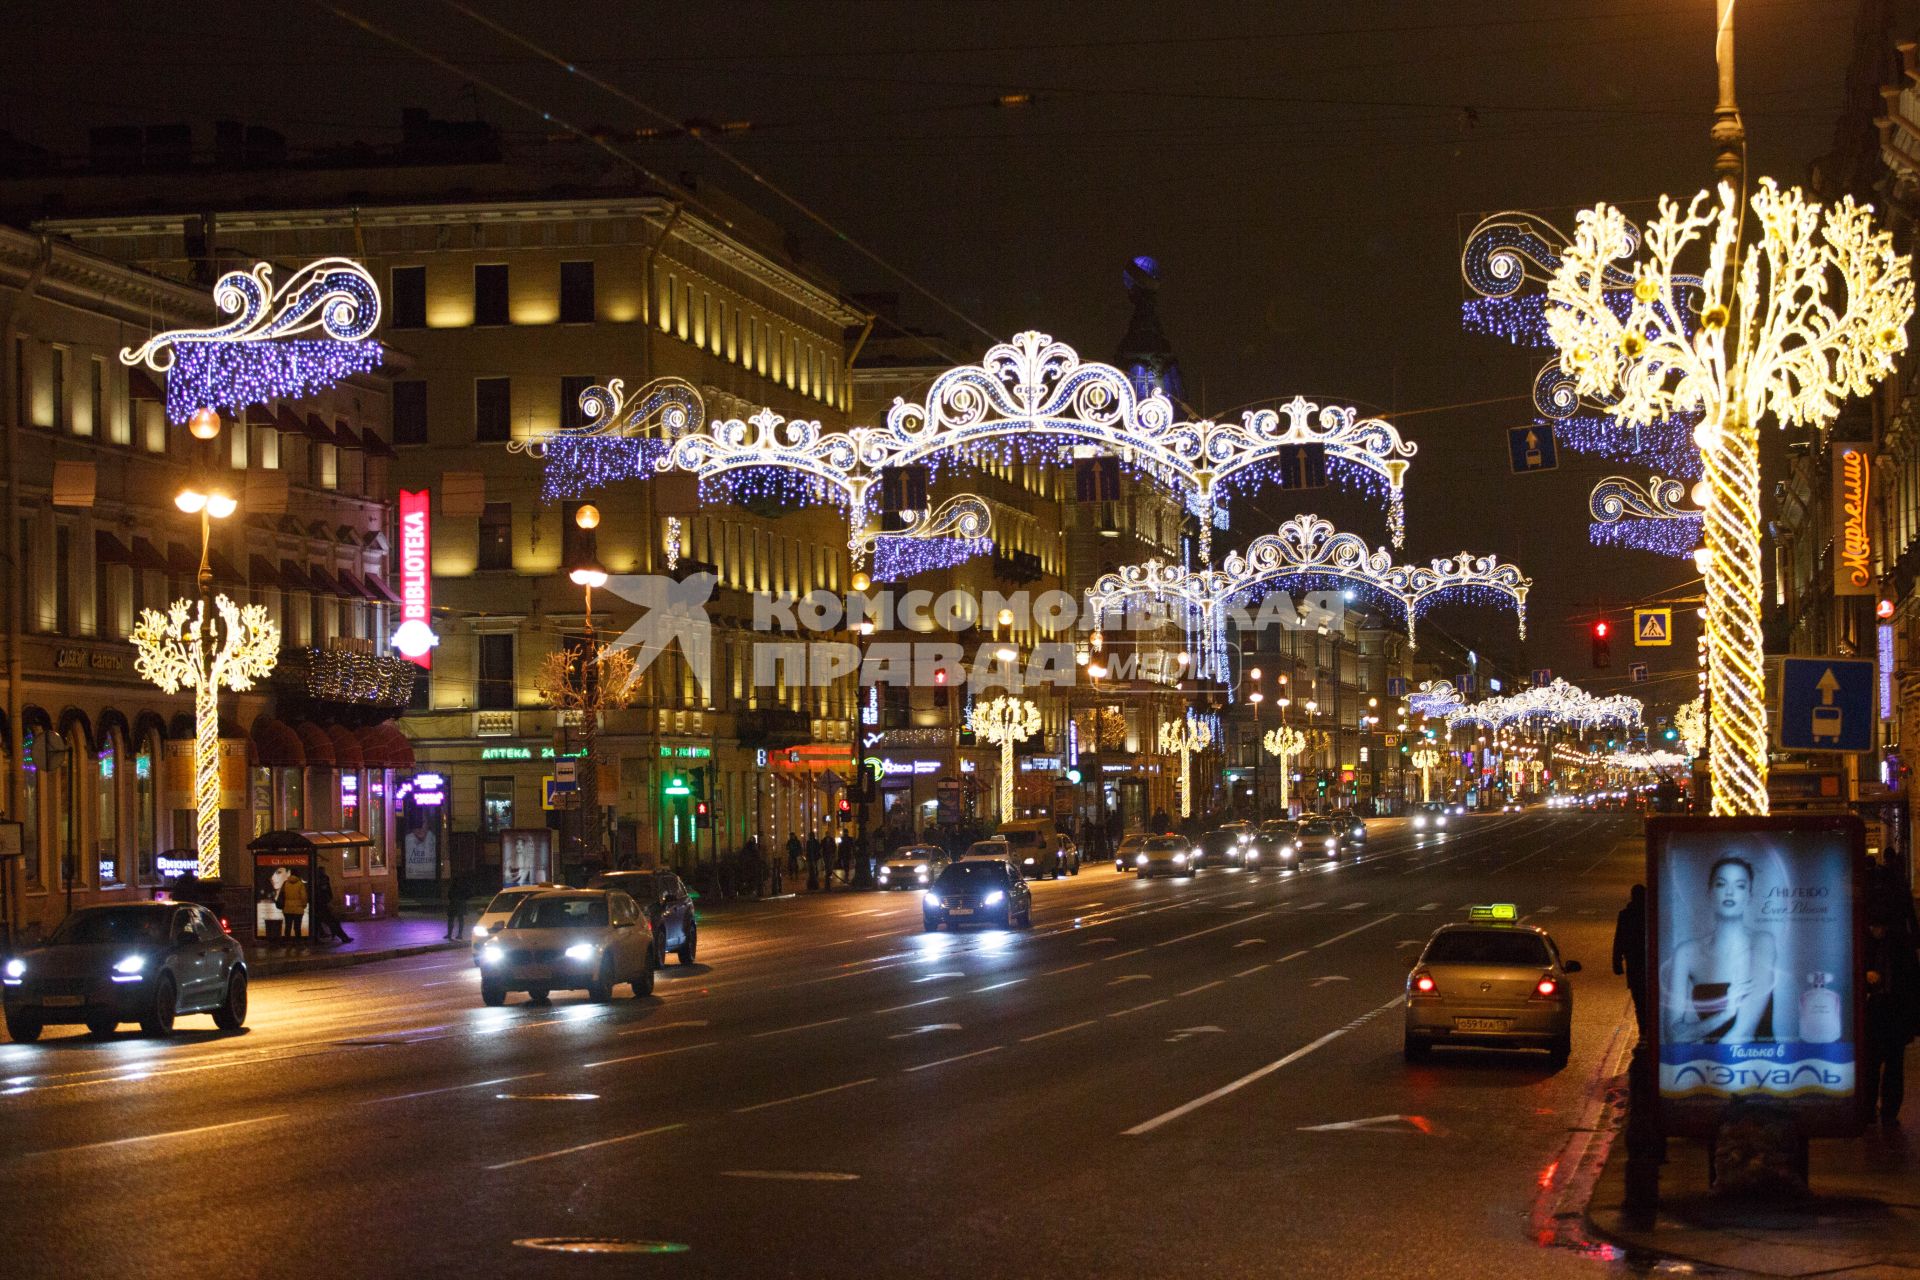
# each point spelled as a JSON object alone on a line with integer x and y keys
{"x": 277, "y": 853}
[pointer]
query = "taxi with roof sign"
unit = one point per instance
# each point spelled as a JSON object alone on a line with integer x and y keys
{"x": 1491, "y": 982}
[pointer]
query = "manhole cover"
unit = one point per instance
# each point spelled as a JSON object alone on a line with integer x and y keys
{"x": 598, "y": 1244}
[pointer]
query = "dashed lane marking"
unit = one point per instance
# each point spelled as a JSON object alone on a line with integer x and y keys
{"x": 917, "y": 1004}
{"x": 1010, "y": 982}
{"x": 790, "y": 1175}
{"x": 1248, "y": 942}
{"x": 1283, "y": 959}
{"x": 452, "y": 1088}
{"x": 802, "y": 1097}
{"x": 585, "y": 1146}
{"x": 941, "y": 1062}
{"x": 1257, "y": 968}
{"x": 1353, "y": 906}
{"x": 1190, "y": 991}
{"x": 1349, "y": 933}
{"x": 805, "y": 1026}
{"x": 1137, "y": 1008}
{"x": 657, "y": 1053}
{"x": 1058, "y": 1031}
{"x": 154, "y": 1137}
{"x": 1131, "y": 977}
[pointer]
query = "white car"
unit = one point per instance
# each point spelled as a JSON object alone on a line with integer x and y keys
{"x": 1129, "y": 846}
{"x": 912, "y": 866}
{"x": 1430, "y": 817}
{"x": 494, "y": 918}
{"x": 588, "y": 940}
{"x": 993, "y": 848}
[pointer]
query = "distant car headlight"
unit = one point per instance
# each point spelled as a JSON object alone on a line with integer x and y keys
{"x": 492, "y": 953}
{"x": 130, "y": 964}
{"x": 994, "y": 899}
{"x": 920, "y": 868}
{"x": 1419, "y": 823}
{"x": 16, "y": 969}
{"x": 1441, "y": 821}
{"x": 581, "y": 951}
{"x": 1253, "y": 855}
{"x": 921, "y": 877}
{"x": 1139, "y": 860}
{"x": 1029, "y": 861}
{"x": 931, "y": 899}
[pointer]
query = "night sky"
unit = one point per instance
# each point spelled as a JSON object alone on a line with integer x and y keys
{"x": 1303, "y": 172}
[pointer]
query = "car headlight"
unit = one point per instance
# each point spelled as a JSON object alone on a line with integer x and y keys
{"x": 1029, "y": 861}
{"x": 1253, "y": 854}
{"x": 920, "y": 869}
{"x": 1418, "y": 823}
{"x": 932, "y": 899}
{"x": 921, "y": 877}
{"x": 1441, "y": 820}
{"x": 492, "y": 953}
{"x": 994, "y": 899}
{"x": 1179, "y": 857}
{"x": 479, "y": 932}
{"x": 130, "y": 964}
{"x": 581, "y": 951}
{"x": 1332, "y": 841}
{"x": 16, "y": 969}
{"x": 1139, "y": 860}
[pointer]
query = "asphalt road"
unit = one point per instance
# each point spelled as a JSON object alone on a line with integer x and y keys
{"x": 1179, "y": 1078}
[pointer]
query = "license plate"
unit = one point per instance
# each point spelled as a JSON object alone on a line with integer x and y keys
{"x": 62, "y": 1000}
{"x": 1482, "y": 1024}
{"x": 961, "y": 911}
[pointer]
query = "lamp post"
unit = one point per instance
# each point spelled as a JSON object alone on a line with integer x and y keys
{"x": 1425, "y": 759}
{"x": 1256, "y": 698}
{"x": 587, "y": 576}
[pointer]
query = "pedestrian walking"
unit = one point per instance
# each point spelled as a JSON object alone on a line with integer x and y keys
{"x": 1893, "y": 1009}
{"x": 1630, "y": 952}
{"x": 456, "y": 904}
{"x": 293, "y": 904}
{"x": 324, "y": 921}
{"x": 794, "y": 850}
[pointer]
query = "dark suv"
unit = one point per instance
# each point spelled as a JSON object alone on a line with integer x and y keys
{"x": 979, "y": 891}
{"x": 668, "y": 907}
{"x": 145, "y": 962}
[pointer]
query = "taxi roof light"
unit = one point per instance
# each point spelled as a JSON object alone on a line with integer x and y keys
{"x": 1504, "y": 912}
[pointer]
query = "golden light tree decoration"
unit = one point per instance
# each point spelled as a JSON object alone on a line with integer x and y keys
{"x": 184, "y": 648}
{"x": 1287, "y": 744}
{"x": 1690, "y": 722}
{"x": 1005, "y": 721}
{"x": 1426, "y": 760}
{"x": 1795, "y": 307}
{"x": 1185, "y": 737}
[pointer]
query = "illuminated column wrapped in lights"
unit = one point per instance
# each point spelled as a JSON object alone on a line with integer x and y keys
{"x": 1185, "y": 737}
{"x": 186, "y": 648}
{"x": 1426, "y": 760}
{"x": 1811, "y": 308}
{"x": 1287, "y": 744}
{"x": 1004, "y": 721}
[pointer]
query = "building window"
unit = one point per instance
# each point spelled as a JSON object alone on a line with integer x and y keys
{"x": 106, "y": 826}
{"x": 63, "y": 767}
{"x": 490, "y": 293}
{"x": 410, "y": 412}
{"x": 496, "y": 672}
{"x": 59, "y": 387}
{"x": 407, "y": 293}
{"x": 577, "y": 546}
{"x": 145, "y": 815}
{"x": 571, "y": 414}
{"x": 496, "y": 535}
{"x": 492, "y": 409}
{"x": 326, "y": 466}
{"x": 496, "y": 805}
{"x": 576, "y": 293}
{"x": 33, "y": 748}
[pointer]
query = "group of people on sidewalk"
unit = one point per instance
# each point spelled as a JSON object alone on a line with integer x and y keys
{"x": 296, "y": 898}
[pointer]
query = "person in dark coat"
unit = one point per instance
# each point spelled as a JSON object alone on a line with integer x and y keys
{"x": 456, "y": 904}
{"x": 324, "y": 921}
{"x": 1630, "y": 952}
{"x": 794, "y": 850}
{"x": 1893, "y": 1008}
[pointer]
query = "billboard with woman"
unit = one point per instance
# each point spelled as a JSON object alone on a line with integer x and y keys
{"x": 1754, "y": 952}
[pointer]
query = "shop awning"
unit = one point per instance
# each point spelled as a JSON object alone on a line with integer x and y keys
{"x": 181, "y": 561}
{"x": 384, "y": 747}
{"x": 147, "y": 556}
{"x": 318, "y": 744}
{"x": 223, "y": 569}
{"x": 375, "y": 446}
{"x": 345, "y": 435}
{"x": 258, "y": 415}
{"x": 324, "y": 582}
{"x": 381, "y": 590}
{"x": 294, "y": 578}
{"x": 288, "y": 421}
{"x": 277, "y": 746}
{"x": 346, "y": 748}
{"x": 108, "y": 549}
{"x": 261, "y": 573}
{"x": 354, "y": 587}
{"x": 318, "y": 431}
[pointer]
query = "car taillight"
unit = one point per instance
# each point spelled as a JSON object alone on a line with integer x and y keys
{"x": 1546, "y": 986}
{"x": 1423, "y": 983}
{"x": 225, "y": 927}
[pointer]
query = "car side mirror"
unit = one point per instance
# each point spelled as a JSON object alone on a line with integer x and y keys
{"x": 1570, "y": 966}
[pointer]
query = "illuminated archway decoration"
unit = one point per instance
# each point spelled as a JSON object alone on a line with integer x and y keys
{"x": 1434, "y": 698}
{"x": 952, "y": 533}
{"x": 1649, "y": 517}
{"x": 1186, "y": 738}
{"x": 184, "y": 648}
{"x": 1800, "y": 307}
{"x": 257, "y": 356}
{"x": 620, "y": 435}
{"x": 1558, "y": 703}
{"x": 1005, "y": 721}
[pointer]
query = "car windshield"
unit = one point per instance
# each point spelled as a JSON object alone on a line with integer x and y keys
{"x": 913, "y": 853}
{"x": 1277, "y": 826}
{"x": 987, "y": 849}
{"x": 1318, "y": 827}
{"x": 95, "y": 925}
{"x": 560, "y": 913}
{"x": 1167, "y": 842}
{"x": 965, "y": 877}
{"x": 1488, "y": 946}
{"x": 506, "y": 900}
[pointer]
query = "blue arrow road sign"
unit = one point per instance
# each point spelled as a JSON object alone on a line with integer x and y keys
{"x": 1532, "y": 448}
{"x": 1542, "y": 677}
{"x": 1396, "y": 688}
{"x": 1826, "y": 704}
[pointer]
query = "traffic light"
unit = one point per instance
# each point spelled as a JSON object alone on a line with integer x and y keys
{"x": 702, "y": 814}
{"x": 846, "y": 809}
{"x": 1602, "y": 645}
{"x": 939, "y": 686}
{"x": 699, "y": 783}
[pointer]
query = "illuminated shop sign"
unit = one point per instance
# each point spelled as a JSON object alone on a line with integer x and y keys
{"x": 415, "y": 638}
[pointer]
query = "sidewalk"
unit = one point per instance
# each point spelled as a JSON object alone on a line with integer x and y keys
{"x": 373, "y": 940}
{"x": 1863, "y": 1219}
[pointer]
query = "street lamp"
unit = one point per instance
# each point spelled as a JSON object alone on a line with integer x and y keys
{"x": 587, "y": 576}
{"x": 1256, "y": 698}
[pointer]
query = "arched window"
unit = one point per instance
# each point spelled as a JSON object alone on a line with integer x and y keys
{"x": 146, "y": 802}
{"x": 63, "y": 775}
{"x": 106, "y": 825}
{"x": 33, "y": 751}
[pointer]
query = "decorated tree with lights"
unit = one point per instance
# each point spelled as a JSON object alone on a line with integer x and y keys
{"x": 1691, "y": 723}
{"x": 1186, "y": 738}
{"x": 1004, "y": 721}
{"x": 1426, "y": 759}
{"x": 1804, "y": 308}
{"x": 188, "y": 648}
{"x": 1286, "y": 744}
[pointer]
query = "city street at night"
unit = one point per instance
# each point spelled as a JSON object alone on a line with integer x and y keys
{"x": 1198, "y": 1074}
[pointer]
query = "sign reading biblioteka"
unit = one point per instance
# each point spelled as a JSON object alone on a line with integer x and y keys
{"x": 415, "y": 638}
{"x": 1754, "y": 966}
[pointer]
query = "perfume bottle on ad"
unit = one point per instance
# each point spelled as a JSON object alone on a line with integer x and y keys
{"x": 1820, "y": 1021}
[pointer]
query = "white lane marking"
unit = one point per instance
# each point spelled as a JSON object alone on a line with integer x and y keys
{"x": 657, "y": 1053}
{"x": 928, "y": 1029}
{"x": 1257, "y": 968}
{"x": 1247, "y": 942}
{"x": 1353, "y": 906}
{"x": 1259, "y": 1073}
{"x": 1084, "y": 964}
{"x": 1235, "y": 906}
{"x": 1187, "y": 1033}
{"x": 1010, "y": 982}
{"x": 941, "y": 1062}
{"x": 1331, "y": 977}
{"x": 805, "y": 1026}
{"x": 1094, "y": 942}
{"x": 154, "y": 1137}
{"x": 585, "y": 1146}
{"x": 1198, "y": 933}
{"x": 1295, "y": 956}
{"x": 660, "y": 1026}
{"x": 1131, "y": 977}
{"x": 1202, "y": 987}
{"x": 1375, "y": 1124}
{"x": 1122, "y": 955}
{"x": 1308, "y": 906}
{"x": 1546, "y": 911}
{"x": 802, "y": 1097}
{"x": 1428, "y": 906}
{"x": 1349, "y": 933}
{"x": 452, "y": 1088}
{"x": 935, "y": 977}
{"x": 1137, "y": 1008}
{"x": 917, "y": 1004}
{"x": 789, "y": 1175}
{"x": 1057, "y": 1031}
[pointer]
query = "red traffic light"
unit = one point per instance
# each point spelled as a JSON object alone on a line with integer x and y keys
{"x": 1600, "y": 630}
{"x": 700, "y": 809}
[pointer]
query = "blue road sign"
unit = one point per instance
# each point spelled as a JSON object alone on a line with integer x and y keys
{"x": 1465, "y": 683}
{"x": 1396, "y": 688}
{"x": 1638, "y": 670}
{"x": 1532, "y": 448}
{"x": 1826, "y": 704}
{"x": 1542, "y": 677}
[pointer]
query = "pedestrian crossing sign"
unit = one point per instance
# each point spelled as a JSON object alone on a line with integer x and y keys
{"x": 1652, "y": 627}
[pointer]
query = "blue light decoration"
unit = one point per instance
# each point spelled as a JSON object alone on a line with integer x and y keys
{"x": 620, "y": 437}
{"x": 255, "y": 357}
{"x": 1676, "y": 538}
{"x": 1644, "y": 517}
{"x": 952, "y": 533}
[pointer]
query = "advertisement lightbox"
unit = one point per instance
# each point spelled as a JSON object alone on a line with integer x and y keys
{"x": 1755, "y": 966}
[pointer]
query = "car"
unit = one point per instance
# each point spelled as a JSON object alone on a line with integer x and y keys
{"x": 992, "y": 847}
{"x": 1169, "y": 853}
{"x": 1353, "y": 828}
{"x": 1129, "y": 846}
{"x": 1321, "y": 837}
{"x": 1429, "y": 817}
{"x": 1225, "y": 845}
{"x": 144, "y": 962}
{"x": 912, "y": 866}
{"x": 496, "y": 912}
{"x": 664, "y": 899}
{"x": 1512, "y": 806}
{"x": 979, "y": 891}
{"x": 1039, "y": 848}
{"x": 1276, "y": 844}
{"x": 588, "y": 940}
{"x": 1490, "y": 982}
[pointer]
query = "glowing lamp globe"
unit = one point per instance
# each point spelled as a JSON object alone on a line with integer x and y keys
{"x": 861, "y": 581}
{"x": 204, "y": 424}
{"x": 415, "y": 639}
{"x": 588, "y": 516}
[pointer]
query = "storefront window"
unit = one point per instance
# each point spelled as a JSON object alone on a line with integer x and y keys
{"x": 260, "y": 791}
{"x": 106, "y": 827}
{"x": 32, "y": 755}
{"x": 377, "y": 818}
{"x": 62, "y": 771}
{"x": 496, "y": 805}
{"x": 350, "y": 814}
{"x": 144, "y": 812}
{"x": 293, "y": 800}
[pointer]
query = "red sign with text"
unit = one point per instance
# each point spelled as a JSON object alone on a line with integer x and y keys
{"x": 415, "y": 638}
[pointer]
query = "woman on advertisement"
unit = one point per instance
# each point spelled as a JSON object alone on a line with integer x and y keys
{"x": 1719, "y": 987}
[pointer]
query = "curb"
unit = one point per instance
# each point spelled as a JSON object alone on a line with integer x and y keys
{"x": 268, "y": 967}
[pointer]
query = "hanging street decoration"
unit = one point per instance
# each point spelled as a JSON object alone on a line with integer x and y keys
{"x": 1186, "y": 737}
{"x": 1558, "y": 703}
{"x": 1004, "y": 721}
{"x": 256, "y": 356}
{"x": 186, "y": 648}
{"x": 952, "y": 533}
{"x": 1435, "y": 698}
{"x": 1647, "y": 517}
{"x": 1801, "y": 307}
{"x": 620, "y": 435}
